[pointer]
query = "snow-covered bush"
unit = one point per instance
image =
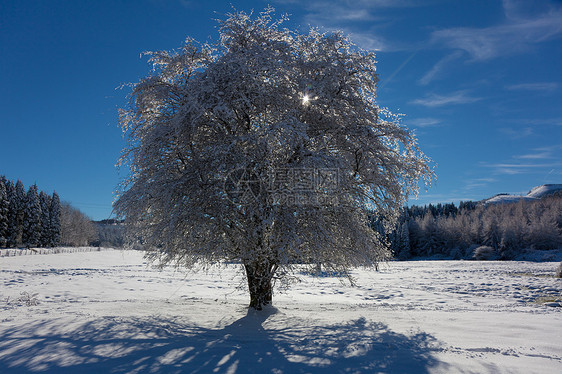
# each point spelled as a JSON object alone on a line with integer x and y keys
{"x": 485, "y": 253}
{"x": 25, "y": 299}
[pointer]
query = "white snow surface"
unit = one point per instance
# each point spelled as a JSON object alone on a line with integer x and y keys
{"x": 109, "y": 312}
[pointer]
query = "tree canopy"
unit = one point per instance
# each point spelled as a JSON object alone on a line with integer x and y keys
{"x": 266, "y": 148}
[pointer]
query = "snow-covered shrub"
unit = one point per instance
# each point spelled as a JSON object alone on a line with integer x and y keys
{"x": 28, "y": 299}
{"x": 485, "y": 253}
{"x": 25, "y": 298}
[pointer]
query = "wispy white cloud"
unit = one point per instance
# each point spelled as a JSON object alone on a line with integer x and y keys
{"x": 437, "y": 69}
{"x": 534, "y": 122}
{"x": 524, "y": 9}
{"x": 333, "y": 16}
{"x": 539, "y": 86}
{"x": 509, "y": 169}
{"x": 520, "y": 31}
{"x": 367, "y": 41}
{"x": 537, "y": 161}
{"x": 478, "y": 183}
{"x": 330, "y": 13}
{"x": 360, "y": 19}
{"x": 435, "y": 100}
{"x": 522, "y": 168}
{"x": 535, "y": 156}
{"x": 425, "y": 122}
{"x": 518, "y": 133}
{"x": 541, "y": 153}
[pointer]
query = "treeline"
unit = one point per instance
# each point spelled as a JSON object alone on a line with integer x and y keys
{"x": 29, "y": 218}
{"x": 76, "y": 228}
{"x": 473, "y": 230}
{"x": 33, "y": 218}
{"x": 110, "y": 233}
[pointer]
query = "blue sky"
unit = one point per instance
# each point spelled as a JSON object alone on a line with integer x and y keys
{"x": 480, "y": 82}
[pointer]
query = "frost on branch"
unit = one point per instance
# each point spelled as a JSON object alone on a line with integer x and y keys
{"x": 239, "y": 105}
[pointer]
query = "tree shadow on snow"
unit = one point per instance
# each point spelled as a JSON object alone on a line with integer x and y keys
{"x": 249, "y": 345}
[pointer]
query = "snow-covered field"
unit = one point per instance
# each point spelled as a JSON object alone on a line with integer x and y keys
{"x": 104, "y": 312}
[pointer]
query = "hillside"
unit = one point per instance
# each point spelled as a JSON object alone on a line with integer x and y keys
{"x": 535, "y": 193}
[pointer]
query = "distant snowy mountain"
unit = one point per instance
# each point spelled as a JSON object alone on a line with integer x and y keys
{"x": 535, "y": 193}
{"x": 544, "y": 190}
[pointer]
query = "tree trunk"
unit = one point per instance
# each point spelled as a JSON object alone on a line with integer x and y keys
{"x": 259, "y": 283}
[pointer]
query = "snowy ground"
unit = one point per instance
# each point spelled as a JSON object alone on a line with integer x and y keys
{"x": 104, "y": 312}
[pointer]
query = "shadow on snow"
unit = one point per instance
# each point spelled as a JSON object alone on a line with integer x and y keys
{"x": 117, "y": 345}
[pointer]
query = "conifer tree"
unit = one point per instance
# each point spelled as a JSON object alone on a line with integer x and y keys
{"x": 20, "y": 204}
{"x": 55, "y": 217}
{"x": 432, "y": 240}
{"x": 32, "y": 219}
{"x": 404, "y": 241}
{"x": 4, "y": 206}
{"x": 16, "y": 196}
{"x": 11, "y": 230}
{"x": 46, "y": 231}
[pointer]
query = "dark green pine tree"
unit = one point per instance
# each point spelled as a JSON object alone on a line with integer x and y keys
{"x": 45, "y": 202}
{"x": 404, "y": 241}
{"x": 32, "y": 219}
{"x": 20, "y": 204}
{"x": 54, "y": 215}
{"x": 16, "y": 197}
{"x": 10, "y": 193}
{"x": 4, "y": 208}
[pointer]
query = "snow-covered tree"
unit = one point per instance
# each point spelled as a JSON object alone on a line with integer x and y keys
{"x": 110, "y": 233}
{"x": 491, "y": 233}
{"x": 401, "y": 244}
{"x": 32, "y": 219}
{"x": 76, "y": 228}
{"x": 17, "y": 214}
{"x": 544, "y": 232}
{"x": 45, "y": 202}
{"x": 11, "y": 231}
{"x": 267, "y": 149}
{"x": 433, "y": 242}
{"x": 4, "y": 209}
{"x": 55, "y": 220}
